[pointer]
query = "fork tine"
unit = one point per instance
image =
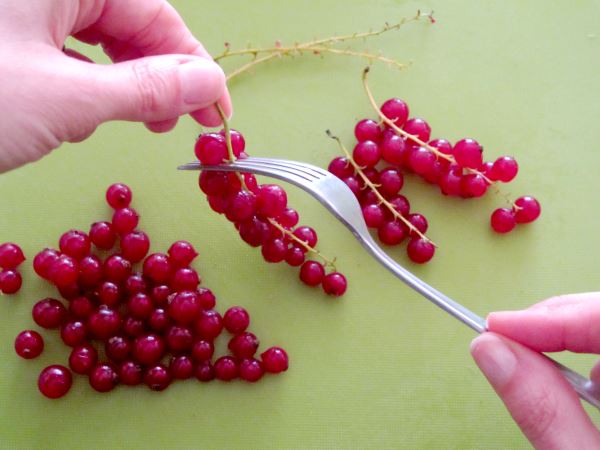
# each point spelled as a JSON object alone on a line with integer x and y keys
{"x": 306, "y": 168}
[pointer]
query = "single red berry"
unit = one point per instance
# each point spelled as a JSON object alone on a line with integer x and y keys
{"x": 503, "y": 220}
{"x": 73, "y": 333}
{"x": 435, "y": 173}
{"x": 486, "y": 169}
{"x": 368, "y": 197}
{"x": 341, "y": 167}
{"x": 366, "y": 154}
{"x": 335, "y": 284}
{"x": 373, "y": 215}
{"x": 157, "y": 377}
{"x": 468, "y": 153}
{"x": 55, "y": 381}
{"x": 63, "y": 271}
{"x": 206, "y": 298}
{"x": 202, "y": 350}
{"x": 75, "y": 243}
{"x": 135, "y": 246}
{"x": 504, "y": 169}
{"x": 185, "y": 279}
{"x": 372, "y": 174}
{"x": 251, "y": 370}
{"x": 390, "y": 182}
{"x": 148, "y": 349}
{"x": 274, "y": 250}
{"x": 243, "y": 345}
{"x": 312, "y": 273}
{"x": 450, "y": 181}
{"x": 419, "y": 222}
{"x": 271, "y": 200}
{"x": 181, "y": 367}
{"x": 209, "y": 324}
{"x": 90, "y": 272}
{"x": 140, "y": 306}
{"x": 125, "y": 220}
{"x": 179, "y": 339}
{"x": 295, "y": 256}
{"x": 238, "y": 143}
{"x": 102, "y": 235}
{"x": 10, "y": 281}
{"x": 419, "y": 250}
{"x": 83, "y": 359}
{"x": 103, "y": 378}
{"x": 254, "y": 231}
{"x": 160, "y": 295}
{"x": 418, "y": 128}
{"x": 133, "y": 327}
{"x": 527, "y": 209}
{"x": 11, "y": 256}
{"x": 442, "y": 145}
{"x": 43, "y": 261}
{"x": 367, "y": 130}
{"x": 473, "y": 185}
{"x": 104, "y": 323}
{"x": 116, "y": 269}
{"x": 29, "y": 344}
{"x": 353, "y": 183}
{"x": 117, "y": 348}
{"x": 275, "y": 360}
{"x": 81, "y": 307}
{"x": 306, "y": 235}
{"x": 118, "y": 195}
{"x": 213, "y": 183}
{"x": 391, "y": 233}
{"x": 109, "y": 293}
{"x": 236, "y": 319}
{"x": 421, "y": 160}
{"x": 205, "y": 371}
{"x": 185, "y": 307}
{"x": 135, "y": 284}
{"x": 400, "y": 204}
{"x": 396, "y": 110}
{"x": 181, "y": 254}
{"x": 211, "y": 148}
{"x": 226, "y": 368}
{"x": 159, "y": 320}
{"x": 70, "y": 291}
{"x": 393, "y": 149}
{"x": 288, "y": 218}
{"x": 240, "y": 206}
{"x": 130, "y": 373}
{"x": 49, "y": 313}
{"x": 157, "y": 267}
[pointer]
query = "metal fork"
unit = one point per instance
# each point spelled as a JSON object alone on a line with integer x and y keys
{"x": 341, "y": 202}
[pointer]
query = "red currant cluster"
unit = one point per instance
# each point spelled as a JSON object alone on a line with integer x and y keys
{"x": 260, "y": 213}
{"x": 11, "y": 256}
{"x": 155, "y": 326}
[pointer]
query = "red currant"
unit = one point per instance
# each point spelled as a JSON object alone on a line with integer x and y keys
{"x": 75, "y": 243}
{"x": 274, "y": 250}
{"x": 341, "y": 167}
{"x": 125, "y": 220}
{"x": 419, "y": 222}
{"x": 63, "y": 271}
{"x": 133, "y": 327}
{"x": 181, "y": 367}
{"x": 390, "y": 181}
{"x": 140, "y": 306}
{"x": 312, "y": 273}
{"x": 418, "y": 128}
{"x": 206, "y": 298}
{"x": 73, "y": 333}
{"x": 10, "y": 281}
{"x": 209, "y": 324}
{"x": 49, "y": 313}
{"x": 29, "y": 344}
{"x": 102, "y": 235}
{"x": 335, "y": 284}
{"x": 90, "y": 272}
{"x": 55, "y": 381}
{"x": 236, "y": 319}
{"x": 179, "y": 339}
{"x": 373, "y": 215}
{"x": 254, "y": 232}
{"x": 275, "y": 360}
{"x": 271, "y": 200}
{"x": 118, "y": 195}
{"x": 11, "y": 256}
{"x": 130, "y": 373}
{"x": 148, "y": 349}
{"x": 243, "y": 345}
{"x": 104, "y": 323}
{"x": 205, "y": 371}
{"x": 211, "y": 148}
{"x": 367, "y": 130}
{"x": 366, "y": 154}
{"x": 157, "y": 267}
{"x": 527, "y": 209}
{"x": 185, "y": 279}
{"x": 419, "y": 250}
{"x": 83, "y": 359}
{"x": 81, "y": 307}
{"x": 181, "y": 254}
{"x": 185, "y": 307}
{"x": 251, "y": 370}
{"x": 396, "y": 110}
{"x": 503, "y": 220}
{"x": 103, "y": 378}
{"x": 238, "y": 143}
{"x": 504, "y": 169}
{"x": 394, "y": 149}
{"x": 473, "y": 185}
{"x": 226, "y": 368}
{"x": 43, "y": 261}
{"x": 117, "y": 348}
{"x": 468, "y": 153}
{"x": 391, "y": 233}
{"x": 202, "y": 350}
{"x": 295, "y": 256}
{"x": 135, "y": 246}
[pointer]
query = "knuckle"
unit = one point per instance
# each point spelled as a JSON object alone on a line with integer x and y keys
{"x": 536, "y": 412}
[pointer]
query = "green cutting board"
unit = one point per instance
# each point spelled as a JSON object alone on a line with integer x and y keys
{"x": 380, "y": 367}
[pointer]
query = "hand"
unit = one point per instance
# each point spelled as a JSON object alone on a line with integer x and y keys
{"x": 538, "y": 397}
{"x": 48, "y": 96}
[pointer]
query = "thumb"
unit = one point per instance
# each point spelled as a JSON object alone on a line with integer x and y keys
{"x": 156, "y": 88}
{"x": 537, "y": 396}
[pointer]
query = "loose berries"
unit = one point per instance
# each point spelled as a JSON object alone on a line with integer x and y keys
{"x": 118, "y": 196}
{"x": 468, "y": 153}
{"x": 43, "y": 261}
{"x": 312, "y": 273}
{"x": 527, "y": 209}
{"x": 55, "y": 381}
{"x": 182, "y": 253}
{"x": 251, "y": 370}
{"x": 102, "y": 235}
{"x": 11, "y": 256}
{"x": 226, "y": 368}
{"x": 504, "y": 169}
{"x": 503, "y": 220}
{"x": 10, "y": 282}
{"x": 157, "y": 268}
{"x": 75, "y": 243}
{"x": 148, "y": 349}
{"x": 419, "y": 250}
{"x": 275, "y": 360}
{"x": 49, "y": 313}
{"x": 157, "y": 377}
{"x": 125, "y": 220}
{"x": 29, "y": 344}
{"x": 83, "y": 359}
{"x": 243, "y": 345}
{"x": 63, "y": 271}
{"x": 103, "y": 378}
{"x": 236, "y": 320}
{"x": 135, "y": 246}
{"x": 335, "y": 284}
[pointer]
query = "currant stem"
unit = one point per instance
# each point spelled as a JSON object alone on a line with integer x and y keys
{"x": 228, "y": 141}
{"x": 373, "y": 187}
{"x": 308, "y": 248}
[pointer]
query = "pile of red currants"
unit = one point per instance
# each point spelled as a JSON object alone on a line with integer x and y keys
{"x": 128, "y": 327}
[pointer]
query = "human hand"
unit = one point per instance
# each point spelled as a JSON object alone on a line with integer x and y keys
{"x": 538, "y": 397}
{"x": 48, "y": 96}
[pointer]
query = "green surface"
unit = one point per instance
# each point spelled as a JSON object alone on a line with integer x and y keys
{"x": 380, "y": 368}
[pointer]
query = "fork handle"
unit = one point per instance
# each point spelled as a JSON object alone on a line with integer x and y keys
{"x": 584, "y": 387}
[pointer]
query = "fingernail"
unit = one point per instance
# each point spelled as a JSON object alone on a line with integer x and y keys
{"x": 202, "y": 82}
{"x": 495, "y": 359}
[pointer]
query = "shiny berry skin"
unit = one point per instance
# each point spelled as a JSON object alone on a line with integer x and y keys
{"x": 254, "y": 232}
{"x": 157, "y": 377}
{"x": 135, "y": 246}
{"x": 335, "y": 284}
{"x": 29, "y": 344}
{"x": 238, "y": 143}
{"x": 181, "y": 254}
{"x": 419, "y": 250}
{"x": 473, "y": 185}
{"x": 243, "y": 345}
{"x": 211, "y": 148}
{"x": 75, "y": 243}
{"x": 158, "y": 268}
{"x": 396, "y": 110}
{"x": 73, "y": 333}
{"x": 419, "y": 222}
{"x": 83, "y": 359}
{"x": 366, "y": 154}
{"x": 49, "y": 313}
{"x": 117, "y": 348}
{"x": 274, "y": 250}
{"x": 90, "y": 271}
{"x": 130, "y": 373}
{"x": 204, "y": 371}
{"x": 400, "y": 204}
{"x": 209, "y": 324}
{"x": 275, "y": 360}
{"x": 288, "y": 218}
{"x": 43, "y": 261}
{"x": 504, "y": 169}
{"x": 160, "y": 295}
{"x": 367, "y": 130}
{"x": 125, "y": 220}
{"x": 312, "y": 273}
{"x": 353, "y": 183}
{"x": 271, "y": 200}
{"x": 341, "y": 167}
{"x": 148, "y": 349}
{"x": 133, "y": 327}
{"x": 55, "y": 381}
{"x": 159, "y": 320}
{"x": 104, "y": 323}
{"x": 503, "y": 220}
{"x": 450, "y": 181}
{"x": 63, "y": 271}
{"x": 185, "y": 307}
{"x": 236, "y": 320}
{"x": 394, "y": 149}
{"x": 306, "y": 235}
{"x": 102, "y": 235}
{"x": 140, "y": 306}
{"x": 421, "y": 160}
{"x": 295, "y": 256}
{"x": 391, "y": 233}
{"x": 240, "y": 206}
{"x": 103, "y": 378}
{"x": 226, "y": 368}
{"x": 373, "y": 215}
{"x": 70, "y": 291}
{"x": 81, "y": 307}
{"x": 213, "y": 183}
{"x": 118, "y": 195}
{"x": 109, "y": 293}
{"x": 181, "y": 367}
{"x": 527, "y": 209}
{"x": 185, "y": 279}
{"x": 206, "y": 298}
{"x": 418, "y": 128}
{"x": 251, "y": 370}
{"x": 10, "y": 281}
{"x": 442, "y": 145}
{"x": 179, "y": 339}
{"x": 468, "y": 153}
{"x": 116, "y": 269}
{"x": 11, "y": 256}
{"x": 202, "y": 350}
{"x": 135, "y": 284}
{"x": 390, "y": 181}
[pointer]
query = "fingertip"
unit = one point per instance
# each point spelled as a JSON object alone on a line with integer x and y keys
{"x": 162, "y": 126}
{"x": 495, "y": 359}
{"x": 210, "y": 117}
